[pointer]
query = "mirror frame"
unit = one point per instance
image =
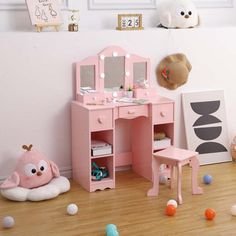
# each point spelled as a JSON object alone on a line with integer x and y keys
{"x": 90, "y": 61}
{"x": 113, "y": 51}
{"x": 121, "y": 79}
{"x": 98, "y": 62}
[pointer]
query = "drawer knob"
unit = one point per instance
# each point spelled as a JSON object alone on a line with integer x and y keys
{"x": 131, "y": 111}
{"x": 162, "y": 114}
{"x": 100, "y": 120}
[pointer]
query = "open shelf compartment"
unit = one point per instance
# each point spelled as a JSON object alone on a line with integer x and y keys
{"x": 168, "y": 130}
{"x": 107, "y": 162}
{"x": 105, "y": 136}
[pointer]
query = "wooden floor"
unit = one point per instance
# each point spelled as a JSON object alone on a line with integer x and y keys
{"x": 128, "y": 207}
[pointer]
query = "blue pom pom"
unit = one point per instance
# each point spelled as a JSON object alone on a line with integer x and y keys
{"x": 207, "y": 179}
{"x": 111, "y": 230}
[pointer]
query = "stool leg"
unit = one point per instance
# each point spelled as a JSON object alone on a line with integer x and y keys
{"x": 179, "y": 195}
{"x": 155, "y": 178}
{"x": 172, "y": 177}
{"x": 194, "y": 163}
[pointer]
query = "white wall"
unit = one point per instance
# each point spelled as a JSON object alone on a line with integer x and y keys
{"x": 100, "y": 19}
{"x": 36, "y": 80}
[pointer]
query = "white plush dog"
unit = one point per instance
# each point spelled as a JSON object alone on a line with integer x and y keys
{"x": 178, "y": 14}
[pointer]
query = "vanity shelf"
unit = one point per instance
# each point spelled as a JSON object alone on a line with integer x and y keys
{"x": 101, "y": 156}
{"x": 168, "y": 129}
{"x": 106, "y": 182}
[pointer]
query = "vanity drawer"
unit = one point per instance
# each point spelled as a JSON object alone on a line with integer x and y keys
{"x": 144, "y": 93}
{"x": 133, "y": 111}
{"x": 100, "y": 120}
{"x": 163, "y": 113}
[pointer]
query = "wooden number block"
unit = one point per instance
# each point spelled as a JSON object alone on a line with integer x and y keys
{"x": 129, "y": 22}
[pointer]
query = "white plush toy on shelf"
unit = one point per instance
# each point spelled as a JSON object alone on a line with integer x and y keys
{"x": 177, "y": 14}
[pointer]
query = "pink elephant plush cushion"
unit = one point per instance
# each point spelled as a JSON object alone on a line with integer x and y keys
{"x": 33, "y": 169}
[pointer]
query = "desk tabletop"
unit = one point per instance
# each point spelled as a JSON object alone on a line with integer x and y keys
{"x": 110, "y": 105}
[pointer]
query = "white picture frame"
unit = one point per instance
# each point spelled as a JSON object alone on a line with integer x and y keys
{"x": 121, "y": 4}
{"x": 150, "y": 4}
{"x": 214, "y": 3}
{"x": 206, "y": 126}
{"x": 21, "y": 4}
{"x": 117, "y": 4}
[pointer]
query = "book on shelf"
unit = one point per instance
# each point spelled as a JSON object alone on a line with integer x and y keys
{"x": 163, "y": 143}
{"x": 84, "y": 90}
{"x": 99, "y": 147}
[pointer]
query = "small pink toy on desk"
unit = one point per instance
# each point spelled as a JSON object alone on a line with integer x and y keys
{"x": 32, "y": 170}
{"x": 175, "y": 157}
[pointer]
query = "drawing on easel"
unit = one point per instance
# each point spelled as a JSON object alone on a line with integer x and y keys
{"x": 52, "y": 11}
{"x": 44, "y": 13}
{"x": 37, "y": 12}
{"x": 44, "y": 17}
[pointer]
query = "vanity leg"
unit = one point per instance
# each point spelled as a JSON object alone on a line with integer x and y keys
{"x": 155, "y": 178}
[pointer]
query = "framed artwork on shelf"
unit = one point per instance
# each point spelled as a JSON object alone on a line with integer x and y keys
{"x": 44, "y": 13}
{"x": 21, "y": 5}
{"x": 206, "y": 125}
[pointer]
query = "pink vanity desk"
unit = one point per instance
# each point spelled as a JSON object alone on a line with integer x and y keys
{"x": 128, "y": 127}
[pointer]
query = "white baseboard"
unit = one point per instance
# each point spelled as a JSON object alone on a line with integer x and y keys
{"x": 66, "y": 171}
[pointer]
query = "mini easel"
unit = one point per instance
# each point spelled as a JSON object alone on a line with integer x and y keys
{"x": 39, "y": 28}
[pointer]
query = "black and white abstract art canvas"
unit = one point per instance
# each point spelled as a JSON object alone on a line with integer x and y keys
{"x": 206, "y": 125}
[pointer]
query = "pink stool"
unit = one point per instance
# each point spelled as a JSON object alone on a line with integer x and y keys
{"x": 175, "y": 157}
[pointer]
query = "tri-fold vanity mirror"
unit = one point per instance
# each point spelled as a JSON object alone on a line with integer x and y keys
{"x": 111, "y": 73}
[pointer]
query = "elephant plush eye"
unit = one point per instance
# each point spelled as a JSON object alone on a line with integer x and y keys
{"x": 190, "y": 13}
{"x": 42, "y": 165}
{"x": 30, "y": 169}
{"x": 182, "y": 13}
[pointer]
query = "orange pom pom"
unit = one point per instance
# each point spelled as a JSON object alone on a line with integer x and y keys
{"x": 170, "y": 210}
{"x": 210, "y": 214}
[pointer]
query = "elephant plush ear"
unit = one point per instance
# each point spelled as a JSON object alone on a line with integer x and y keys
{"x": 11, "y": 182}
{"x": 55, "y": 170}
